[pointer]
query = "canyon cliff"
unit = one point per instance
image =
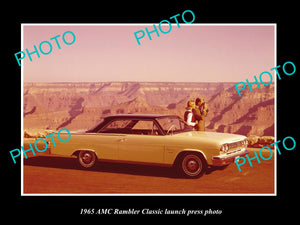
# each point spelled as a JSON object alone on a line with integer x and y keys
{"x": 78, "y": 106}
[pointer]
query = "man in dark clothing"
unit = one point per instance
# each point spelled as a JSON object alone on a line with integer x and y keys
{"x": 200, "y": 113}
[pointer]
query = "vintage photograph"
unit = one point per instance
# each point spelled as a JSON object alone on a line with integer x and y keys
{"x": 103, "y": 114}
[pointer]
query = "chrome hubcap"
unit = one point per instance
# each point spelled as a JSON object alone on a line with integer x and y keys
{"x": 192, "y": 165}
{"x": 86, "y": 158}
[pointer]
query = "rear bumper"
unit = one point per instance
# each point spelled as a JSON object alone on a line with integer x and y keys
{"x": 225, "y": 159}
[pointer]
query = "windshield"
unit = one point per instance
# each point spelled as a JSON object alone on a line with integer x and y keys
{"x": 173, "y": 125}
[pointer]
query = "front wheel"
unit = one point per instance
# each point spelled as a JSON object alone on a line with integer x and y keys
{"x": 87, "y": 159}
{"x": 192, "y": 165}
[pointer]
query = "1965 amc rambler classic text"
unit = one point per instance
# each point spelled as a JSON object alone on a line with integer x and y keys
{"x": 163, "y": 140}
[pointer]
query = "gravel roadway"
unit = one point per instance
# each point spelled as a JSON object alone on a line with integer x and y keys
{"x": 45, "y": 174}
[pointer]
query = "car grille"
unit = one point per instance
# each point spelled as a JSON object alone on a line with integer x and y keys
{"x": 229, "y": 148}
{"x": 236, "y": 146}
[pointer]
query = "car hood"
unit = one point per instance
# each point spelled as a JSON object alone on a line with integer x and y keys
{"x": 221, "y": 138}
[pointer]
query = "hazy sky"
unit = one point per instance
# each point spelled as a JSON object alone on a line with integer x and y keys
{"x": 199, "y": 53}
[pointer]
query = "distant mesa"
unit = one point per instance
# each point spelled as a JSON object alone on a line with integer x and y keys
{"x": 172, "y": 106}
{"x": 78, "y": 106}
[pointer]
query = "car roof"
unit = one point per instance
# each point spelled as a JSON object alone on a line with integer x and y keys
{"x": 139, "y": 116}
{"x": 107, "y": 119}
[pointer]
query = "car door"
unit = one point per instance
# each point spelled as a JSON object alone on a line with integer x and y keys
{"x": 105, "y": 142}
{"x": 105, "y": 145}
{"x": 144, "y": 144}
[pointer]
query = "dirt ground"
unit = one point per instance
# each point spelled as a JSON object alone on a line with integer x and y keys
{"x": 60, "y": 175}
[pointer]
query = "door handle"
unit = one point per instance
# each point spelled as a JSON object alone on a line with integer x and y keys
{"x": 122, "y": 139}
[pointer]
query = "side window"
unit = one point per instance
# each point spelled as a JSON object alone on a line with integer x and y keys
{"x": 117, "y": 126}
{"x": 143, "y": 124}
{"x": 131, "y": 126}
{"x": 145, "y": 127}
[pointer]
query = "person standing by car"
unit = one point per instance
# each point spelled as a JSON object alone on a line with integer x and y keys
{"x": 188, "y": 115}
{"x": 200, "y": 112}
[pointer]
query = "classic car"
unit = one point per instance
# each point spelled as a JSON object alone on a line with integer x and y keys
{"x": 163, "y": 140}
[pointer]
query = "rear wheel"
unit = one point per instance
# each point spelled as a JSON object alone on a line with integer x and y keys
{"x": 87, "y": 159}
{"x": 192, "y": 165}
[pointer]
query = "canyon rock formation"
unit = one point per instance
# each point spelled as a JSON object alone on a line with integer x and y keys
{"x": 78, "y": 106}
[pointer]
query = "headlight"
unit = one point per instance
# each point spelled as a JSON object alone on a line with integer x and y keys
{"x": 245, "y": 142}
{"x": 224, "y": 148}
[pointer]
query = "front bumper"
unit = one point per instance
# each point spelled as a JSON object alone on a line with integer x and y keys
{"x": 227, "y": 158}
